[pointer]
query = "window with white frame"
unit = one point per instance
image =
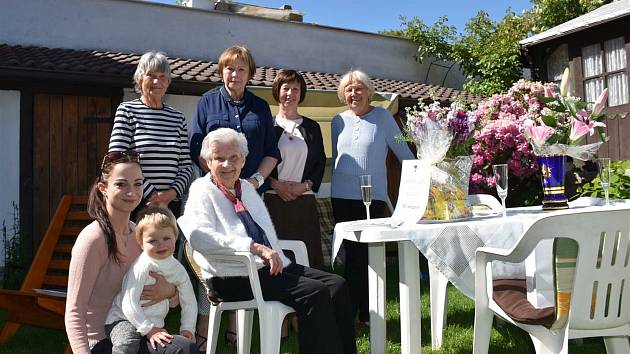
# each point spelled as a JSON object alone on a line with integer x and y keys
{"x": 606, "y": 68}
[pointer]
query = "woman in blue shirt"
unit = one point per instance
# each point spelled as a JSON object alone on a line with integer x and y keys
{"x": 361, "y": 137}
{"x": 233, "y": 106}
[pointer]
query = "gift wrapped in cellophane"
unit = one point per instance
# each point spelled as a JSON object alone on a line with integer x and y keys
{"x": 448, "y": 191}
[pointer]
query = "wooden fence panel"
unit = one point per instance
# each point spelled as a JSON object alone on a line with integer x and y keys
{"x": 82, "y": 159}
{"x": 70, "y": 146}
{"x": 70, "y": 136}
{"x": 41, "y": 166}
{"x": 55, "y": 162}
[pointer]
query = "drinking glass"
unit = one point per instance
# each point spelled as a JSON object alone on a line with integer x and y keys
{"x": 604, "y": 175}
{"x": 501, "y": 177}
{"x": 366, "y": 193}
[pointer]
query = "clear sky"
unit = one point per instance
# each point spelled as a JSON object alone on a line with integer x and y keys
{"x": 377, "y": 15}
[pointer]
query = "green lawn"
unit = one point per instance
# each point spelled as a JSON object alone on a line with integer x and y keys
{"x": 458, "y": 333}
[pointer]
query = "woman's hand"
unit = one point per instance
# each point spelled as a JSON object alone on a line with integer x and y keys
{"x": 269, "y": 256}
{"x": 187, "y": 334}
{"x": 253, "y": 182}
{"x": 162, "y": 198}
{"x": 159, "y": 336}
{"x": 161, "y": 290}
{"x": 297, "y": 189}
{"x": 284, "y": 189}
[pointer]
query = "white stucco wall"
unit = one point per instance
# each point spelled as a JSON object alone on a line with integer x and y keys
{"x": 9, "y": 158}
{"x": 134, "y": 26}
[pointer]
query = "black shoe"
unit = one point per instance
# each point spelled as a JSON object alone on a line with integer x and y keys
{"x": 201, "y": 340}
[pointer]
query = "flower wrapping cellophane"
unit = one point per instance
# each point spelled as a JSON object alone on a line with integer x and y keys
{"x": 448, "y": 190}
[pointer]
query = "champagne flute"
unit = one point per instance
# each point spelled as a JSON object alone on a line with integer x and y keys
{"x": 501, "y": 177}
{"x": 604, "y": 175}
{"x": 366, "y": 193}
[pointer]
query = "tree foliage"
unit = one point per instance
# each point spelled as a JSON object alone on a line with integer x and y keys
{"x": 550, "y": 13}
{"x": 487, "y": 51}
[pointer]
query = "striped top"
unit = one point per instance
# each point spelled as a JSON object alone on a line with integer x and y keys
{"x": 160, "y": 136}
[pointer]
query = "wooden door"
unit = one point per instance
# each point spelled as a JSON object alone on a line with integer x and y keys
{"x": 70, "y": 136}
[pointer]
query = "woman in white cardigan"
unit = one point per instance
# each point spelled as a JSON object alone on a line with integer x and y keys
{"x": 225, "y": 214}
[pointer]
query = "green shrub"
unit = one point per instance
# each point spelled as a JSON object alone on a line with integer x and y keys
{"x": 619, "y": 183}
{"x": 14, "y": 267}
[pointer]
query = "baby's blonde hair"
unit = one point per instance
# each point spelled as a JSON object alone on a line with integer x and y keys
{"x": 158, "y": 217}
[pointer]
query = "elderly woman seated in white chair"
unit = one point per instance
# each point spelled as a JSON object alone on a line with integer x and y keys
{"x": 225, "y": 214}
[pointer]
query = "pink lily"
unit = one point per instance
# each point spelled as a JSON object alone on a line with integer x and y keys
{"x": 579, "y": 128}
{"x": 538, "y": 134}
{"x": 601, "y": 102}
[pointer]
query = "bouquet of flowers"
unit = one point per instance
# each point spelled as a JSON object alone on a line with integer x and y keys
{"x": 561, "y": 122}
{"x": 455, "y": 124}
{"x": 439, "y": 132}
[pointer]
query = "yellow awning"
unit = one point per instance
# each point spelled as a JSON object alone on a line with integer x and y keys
{"x": 322, "y": 106}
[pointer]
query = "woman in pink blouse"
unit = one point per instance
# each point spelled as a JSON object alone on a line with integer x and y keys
{"x": 103, "y": 253}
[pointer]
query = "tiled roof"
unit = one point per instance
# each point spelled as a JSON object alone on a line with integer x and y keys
{"x": 122, "y": 65}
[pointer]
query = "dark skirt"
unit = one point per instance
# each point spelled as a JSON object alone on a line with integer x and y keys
{"x": 298, "y": 220}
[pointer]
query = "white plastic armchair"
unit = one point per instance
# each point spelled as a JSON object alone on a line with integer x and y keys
{"x": 599, "y": 303}
{"x": 438, "y": 294}
{"x": 270, "y": 313}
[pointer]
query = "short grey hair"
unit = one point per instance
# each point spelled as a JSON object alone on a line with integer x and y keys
{"x": 226, "y": 136}
{"x": 349, "y": 77}
{"x": 151, "y": 62}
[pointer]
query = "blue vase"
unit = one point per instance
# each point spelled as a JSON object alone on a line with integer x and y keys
{"x": 552, "y": 171}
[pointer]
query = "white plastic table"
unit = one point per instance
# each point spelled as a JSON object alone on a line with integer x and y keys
{"x": 450, "y": 249}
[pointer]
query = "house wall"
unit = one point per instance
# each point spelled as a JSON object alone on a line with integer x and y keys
{"x": 135, "y": 26}
{"x": 9, "y": 158}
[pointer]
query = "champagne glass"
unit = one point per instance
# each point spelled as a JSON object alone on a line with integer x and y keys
{"x": 604, "y": 175}
{"x": 501, "y": 177}
{"x": 366, "y": 193}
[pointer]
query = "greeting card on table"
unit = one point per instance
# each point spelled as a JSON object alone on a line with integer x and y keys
{"x": 413, "y": 193}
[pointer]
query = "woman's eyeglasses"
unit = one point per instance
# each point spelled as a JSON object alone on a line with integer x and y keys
{"x": 114, "y": 157}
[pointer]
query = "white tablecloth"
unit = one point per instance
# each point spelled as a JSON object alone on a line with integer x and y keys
{"x": 450, "y": 246}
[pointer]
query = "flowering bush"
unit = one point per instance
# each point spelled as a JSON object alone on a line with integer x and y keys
{"x": 501, "y": 138}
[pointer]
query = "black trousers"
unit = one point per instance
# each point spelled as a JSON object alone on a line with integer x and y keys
{"x": 320, "y": 299}
{"x": 356, "y": 261}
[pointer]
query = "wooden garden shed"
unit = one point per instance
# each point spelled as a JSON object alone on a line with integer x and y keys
{"x": 596, "y": 47}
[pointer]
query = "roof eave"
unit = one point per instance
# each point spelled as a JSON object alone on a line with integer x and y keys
{"x": 553, "y": 34}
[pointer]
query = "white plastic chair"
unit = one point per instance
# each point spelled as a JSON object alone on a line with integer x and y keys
{"x": 438, "y": 283}
{"x": 599, "y": 303}
{"x": 270, "y": 313}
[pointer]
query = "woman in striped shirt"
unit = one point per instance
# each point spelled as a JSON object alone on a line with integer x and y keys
{"x": 158, "y": 132}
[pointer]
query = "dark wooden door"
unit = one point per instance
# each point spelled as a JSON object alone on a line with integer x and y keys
{"x": 70, "y": 136}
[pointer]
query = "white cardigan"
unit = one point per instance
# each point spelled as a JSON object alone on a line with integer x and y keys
{"x": 211, "y": 226}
